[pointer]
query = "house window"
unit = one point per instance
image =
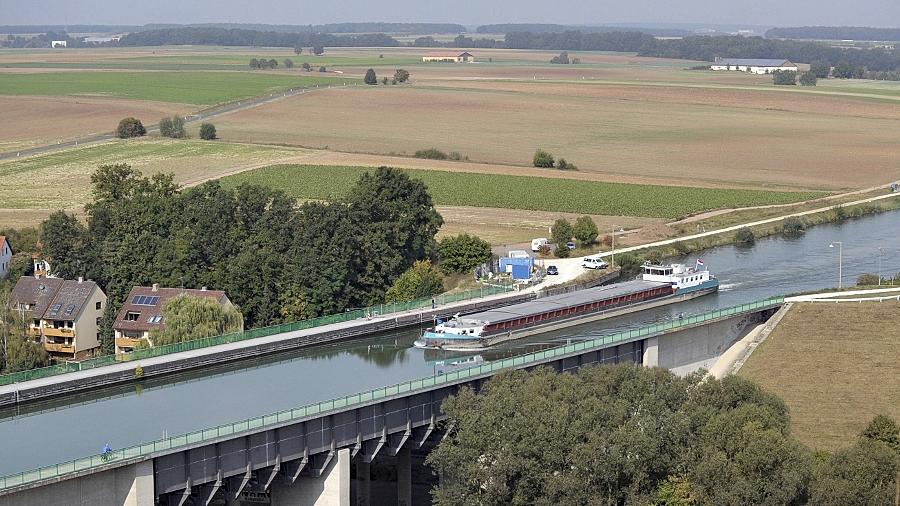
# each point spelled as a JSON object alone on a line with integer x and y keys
{"x": 97, "y": 320}
{"x": 132, "y": 316}
{"x": 99, "y": 305}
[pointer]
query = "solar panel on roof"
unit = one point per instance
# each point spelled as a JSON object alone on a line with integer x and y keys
{"x": 152, "y": 300}
{"x": 145, "y": 300}
{"x": 135, "y": 299}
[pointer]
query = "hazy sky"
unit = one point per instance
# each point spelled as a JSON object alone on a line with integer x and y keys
{"x": 468, "y": 12}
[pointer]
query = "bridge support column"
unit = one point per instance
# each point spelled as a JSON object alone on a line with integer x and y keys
{"x": 651, "y": 352}
{"x": 363, "y": 482}
{"x": 404, "y": 477}
{"x": 142, "y": 492}
{"x": 332, "y": 488}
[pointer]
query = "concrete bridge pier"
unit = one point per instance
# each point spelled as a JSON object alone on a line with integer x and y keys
{"x": 332, "y": 488}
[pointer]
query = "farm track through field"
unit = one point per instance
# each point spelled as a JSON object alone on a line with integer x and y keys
{"x": 201, "y": 115}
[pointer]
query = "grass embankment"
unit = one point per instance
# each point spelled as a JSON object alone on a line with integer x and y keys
{"x": 518, "y": 192}
{"x": 836, "y": 366}
{"x": 198, "y": 88}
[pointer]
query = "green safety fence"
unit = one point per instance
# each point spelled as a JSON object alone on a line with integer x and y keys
{"x": 156, "y": 351}
{"x": 296, "y": 414}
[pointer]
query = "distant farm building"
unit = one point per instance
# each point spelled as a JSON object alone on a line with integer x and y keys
{"x": 58, "y": 43}
{"x": 448, "y": 57}
{"x": 753, "y": 66}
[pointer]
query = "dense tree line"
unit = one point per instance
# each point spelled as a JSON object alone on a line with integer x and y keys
{"x": 238, "y": 37}
{"x": 553, "y": 28}
{"x": 618, "y": 435}
{"x": 835, "y": 33}
{"x": 706, "y": 48}
{"x": 277, "y": 261}
{"x": 42, "y": 40}
{"x": 377, "y": 27}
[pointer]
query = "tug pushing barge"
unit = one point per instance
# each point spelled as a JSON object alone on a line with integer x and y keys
{"x": 660, "y": 285}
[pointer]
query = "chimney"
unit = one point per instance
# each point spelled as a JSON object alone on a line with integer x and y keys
{"x": 80, "y": 279}
{"x": 155, "y": 287}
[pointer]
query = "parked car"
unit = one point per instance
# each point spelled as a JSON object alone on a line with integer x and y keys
{"x": 594, "y": 262}
{"x": 570, "y": 245}
{"x": 552, "y": 270}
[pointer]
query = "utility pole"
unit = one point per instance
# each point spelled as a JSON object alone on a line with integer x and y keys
{"x": 840, "y": 262}
{"x": 613, "y": 253}
{"x": 880, "y": 254}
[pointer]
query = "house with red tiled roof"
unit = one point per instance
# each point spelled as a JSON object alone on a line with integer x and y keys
{"x": 5, "y": 256}
{"x": 143, "y": 312}
{"x": 63, "y": 314}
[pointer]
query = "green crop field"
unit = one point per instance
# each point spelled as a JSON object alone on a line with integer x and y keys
{"x": 521, "y": 192}
{"x": 199, "y": 88}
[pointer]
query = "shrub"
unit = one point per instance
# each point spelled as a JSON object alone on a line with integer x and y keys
{"x": 561, "y": 251}
{"x": 288, "y": 63}
{"x": 784, "y": 77}
{"x": 562, "y": 59}
{"x": 306, "y": 66}
{"x": 384, "y": 81}
{"x": 543, "y": 159}
{"x": 431, "y": 154}
{"x": 401, "y": 76}
{"x": 207, "y": 131}
{"x": 793, "y": 225}
{"x": 463, "y": 253}
{"x": 867, "y": 279}
{"x": 130, "y": 127}
{"x": 323, "y": 69}
{"x": 419, "y": 281}
{"x": 371, "y": 78}
{"x": 172, "y": 127}
{"x": 457, "y": 156}
{"x": 744, "y": 236}
{"x": 808, "y": 79}
{"x": 564, "y": 165}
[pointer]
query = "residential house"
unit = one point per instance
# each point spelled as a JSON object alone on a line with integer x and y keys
{"x": 142, "y": 312}
{"x": 753, "y": 66}
{"x": 62, "y": 314}
{"x": 448, "y": 57}
{"x": 5, "y": 256}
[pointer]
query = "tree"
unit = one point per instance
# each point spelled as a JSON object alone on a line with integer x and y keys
{"x": 585, "y": 230}
{"x": 273, "y": 63}
{"x": 820, "y": 69}
{"x": 808, "y": 79}
{"x": 172, "y": 127}
{"x": 130, "y": 127}
{"x": 863, "y": 474}
{"x": 463, "y": 253}
{"x": 24, "y": 354}
{"x": 288, "y": 63}
{"x": 298, "y": 50}
{"x": 370, "y": 78}
{"x": 384, "y": 81}
{"x": 187, "y": 318}
{"x": 543, "y": 159}
{"x": 306, "y": 66}
{"x": 318, "y": 50}
{"x": 562, "y": 59}
{"x": 65, "y": 242}
{"x": 322, "y": 69}
{"x": 616, "y": 435}
{"x": 867, "y": 279}
{"x": 398, "y": 223}
{"x": 784, "y": 77}
{"x": 562, "y": 233}
{"x": 401, "y": 76}
{"x": 208, "y": 131}
{"x": 105, "y": 329}
{"x": 418, "y": 282}
{"x": 793, "y": 225}
{"x": 564, "y": 165}
{"x": 254, "y": 63}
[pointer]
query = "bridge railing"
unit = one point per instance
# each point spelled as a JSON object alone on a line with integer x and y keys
{"x": 196, "y": 344}
{"x": 349, "y": 401}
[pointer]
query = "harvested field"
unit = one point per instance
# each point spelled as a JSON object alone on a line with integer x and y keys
{"x": 32, "y": 121}
{"x": 836, "y": 366}
{"x": 62, "y": 180}
{"x": 312, "y": 182}
{"x": 505, "y": 226}
{"x": 666, "y": 138}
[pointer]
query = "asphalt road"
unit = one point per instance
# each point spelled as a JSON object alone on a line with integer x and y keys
{"x": 202, "y": 115}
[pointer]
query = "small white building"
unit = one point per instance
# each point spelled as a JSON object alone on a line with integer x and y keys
{"x": 58, "y": 43}
{"x": 5, "y": 257}
{"x": 448, "y": 57}
{"x": 753, "y": 66}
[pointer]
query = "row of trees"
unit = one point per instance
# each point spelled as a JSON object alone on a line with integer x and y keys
{"x": 277, "y": 260}
{"x": 168, "y": 127}
{"x": 584, "y": 231}
{"x": 400, "y": 76}
{"x": 545, "y": 160}
{"x": 789, "y": 78}
{"x": 630, "y": 435}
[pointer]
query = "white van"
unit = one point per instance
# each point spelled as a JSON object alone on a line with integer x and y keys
{"x": 537, "y": 243}
{"x": 594, "y": 262}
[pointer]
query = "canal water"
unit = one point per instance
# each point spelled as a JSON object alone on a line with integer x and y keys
{"x": 56, "y": 431}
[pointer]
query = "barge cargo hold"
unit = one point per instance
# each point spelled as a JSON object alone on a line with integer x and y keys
{"x": 661, "y": 285}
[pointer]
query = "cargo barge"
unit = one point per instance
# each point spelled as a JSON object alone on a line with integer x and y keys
{"x": 659, "y": 285}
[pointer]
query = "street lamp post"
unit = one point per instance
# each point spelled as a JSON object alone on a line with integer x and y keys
{"x": 880, "y": 254}
{"x": 613, "y": 253}
{"x": 840, "y": 262}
